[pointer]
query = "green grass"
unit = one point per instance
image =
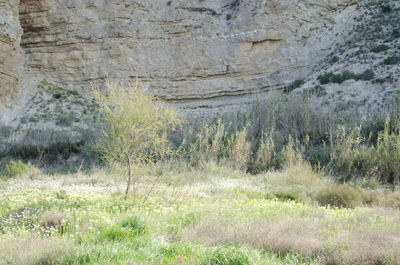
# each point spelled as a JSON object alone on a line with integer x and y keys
{"x": 220, "y": 216}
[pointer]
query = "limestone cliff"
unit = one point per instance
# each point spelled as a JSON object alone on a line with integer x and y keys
{"x": 199, "y": 54}
{"x": 204, "y": 56}
{"x": 11, "y": 56}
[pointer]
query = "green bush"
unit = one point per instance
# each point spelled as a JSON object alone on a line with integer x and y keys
{"x": 396, "y": 33}
{"x": 325, "y": 78}
{"x": 386, "y": 9}
{"x": 346, "y": 75}
{"x": 334, "y": 59}
{"x": 15, "y": 169}
{"x": 367, "y": 75}
{"x": 336, "y": 78}
{"x": 296, "y": 84}
{"x": 391, "y": 60}
{"x": 380, "y": 48}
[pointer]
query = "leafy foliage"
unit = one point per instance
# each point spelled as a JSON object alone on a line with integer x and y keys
{"x": 137, "y": 125}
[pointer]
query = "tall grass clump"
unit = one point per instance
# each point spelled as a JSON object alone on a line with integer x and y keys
{"x": 357, "y": 156}
{"x": 265, "y": 156}
{"x": 200, "y": 145}
{"x": 239, "y": 150}
{"x": 291, "y": 154}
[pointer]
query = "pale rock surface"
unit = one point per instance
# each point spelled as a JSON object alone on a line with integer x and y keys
{"x": 203, "y": 56}
{"x": 11, "y": 55}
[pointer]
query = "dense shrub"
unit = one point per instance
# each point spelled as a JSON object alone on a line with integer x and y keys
{"x": 334, "y": 59}
{"x": 396, "y": 33}
{"x": 336, "y": 78}
{"x": 296, "y": 84}
{"x": 386, "y": 9}
{"x": 346, "y": 75}
{"x": 391, "y": 60}
{"x": 380, "y": 48}
{"x": 366, "y": 75}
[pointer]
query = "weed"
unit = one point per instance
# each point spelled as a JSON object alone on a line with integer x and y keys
{"x": 135, "y": 225}
{"x": 226, "y": 256}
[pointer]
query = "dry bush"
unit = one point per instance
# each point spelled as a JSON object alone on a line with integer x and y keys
{"x": 385, "y": 198}
{"x": 33, "y": 250}
{"x": 339, "y": 195}
{"x": 54, "y": 220}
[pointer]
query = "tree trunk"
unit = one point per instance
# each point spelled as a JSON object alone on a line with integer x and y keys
{"x": 129, "y": 178}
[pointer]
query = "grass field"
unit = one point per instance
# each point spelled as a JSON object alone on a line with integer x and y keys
{"x": 178, "y": 215}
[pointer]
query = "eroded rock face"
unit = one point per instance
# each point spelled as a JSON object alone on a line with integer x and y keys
{"x": 11, "y": 55}
{"x": 199, "y": 54}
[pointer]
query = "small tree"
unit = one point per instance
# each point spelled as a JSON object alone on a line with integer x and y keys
{"x": 137, "y": 126}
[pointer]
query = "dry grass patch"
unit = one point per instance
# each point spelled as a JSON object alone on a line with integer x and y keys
{"x": 286, "y": 236}
{"x": 363, "y": 246}
{"x": 33, "y": 250}
{"x": 363, "y": 238}
{"x": 299, "y": 174}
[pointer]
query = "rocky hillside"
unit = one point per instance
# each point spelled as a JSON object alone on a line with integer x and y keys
{"x": 361, "y": 75}
{"x": 205, "y": 57}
